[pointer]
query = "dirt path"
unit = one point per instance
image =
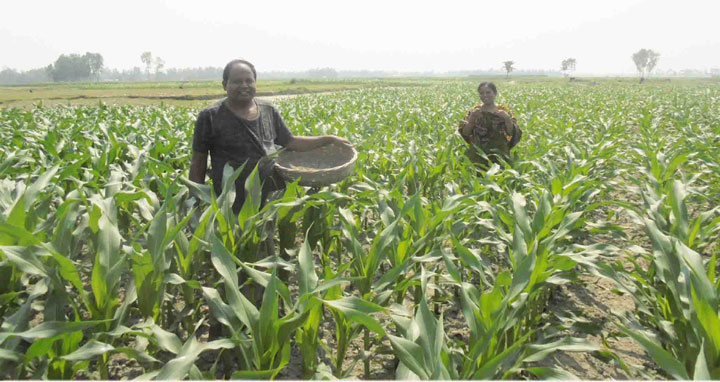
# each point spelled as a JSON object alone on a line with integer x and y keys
{"x": 593, "y": 301}
{"x": 278, "y": 97}
{"x": 130, "y": 99}
{"x": 273, "y": 98}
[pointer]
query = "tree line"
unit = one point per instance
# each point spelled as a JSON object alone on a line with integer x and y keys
{"x": 645, "y": 61}
{"x": 90, "y": 67}
{"x": 86, "y": 67}
{"x": 74, "y": 67}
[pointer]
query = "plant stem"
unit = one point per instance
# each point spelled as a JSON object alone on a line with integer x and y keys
{"x": 366, "y": 340}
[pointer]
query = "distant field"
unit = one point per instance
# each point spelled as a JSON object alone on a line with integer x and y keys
{"x": 199, "y": 93}
{"x": 174, "y": 93}
{"x": 592, "y": 256}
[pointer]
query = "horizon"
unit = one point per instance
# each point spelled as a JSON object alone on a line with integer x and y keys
{"x": 400, "y": 36}
{"x": 459, "y": 73}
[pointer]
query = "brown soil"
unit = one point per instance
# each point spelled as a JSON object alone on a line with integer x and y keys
{"x": 594, "y": 300}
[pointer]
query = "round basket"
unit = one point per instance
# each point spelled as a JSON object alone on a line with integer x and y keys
{"x": 319, "y": 167}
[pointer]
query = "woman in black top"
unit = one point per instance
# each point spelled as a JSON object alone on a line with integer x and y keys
{"x": 241, "y": 129}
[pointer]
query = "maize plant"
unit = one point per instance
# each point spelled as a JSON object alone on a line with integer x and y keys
{"x": 113, "y": 265}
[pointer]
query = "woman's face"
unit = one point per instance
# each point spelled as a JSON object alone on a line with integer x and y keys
{"x": 240, "y": 85}
{"x": 486, "y": 95}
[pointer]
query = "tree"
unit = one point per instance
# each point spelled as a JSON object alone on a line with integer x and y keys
{"x": 645, "y": 61}
{"x": 147, "y": 59}
{"x": 159, "y": 65}
{"x": 653, "y": 58}
{"x": 568, "y": 66}
{"x": 508, "y": 67}
{"x": 95, "y": 61}
{"x": 322, "y": 73}
{"x": 71, "y": 67}
{"x": 9, "y": 76}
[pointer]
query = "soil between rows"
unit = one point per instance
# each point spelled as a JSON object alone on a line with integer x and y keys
{"x": 595, "y": 300}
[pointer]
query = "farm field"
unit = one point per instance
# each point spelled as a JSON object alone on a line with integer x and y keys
{"x": 172, "y": 93}
{"x": 593, "y": 255}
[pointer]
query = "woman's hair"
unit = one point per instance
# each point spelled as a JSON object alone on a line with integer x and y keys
{"x": 226, "y": 71}
{"x": 488, "y": 84}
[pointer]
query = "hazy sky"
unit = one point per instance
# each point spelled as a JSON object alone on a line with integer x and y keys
{"x": 377, "y": 35}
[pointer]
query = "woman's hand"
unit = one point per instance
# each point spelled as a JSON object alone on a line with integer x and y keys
{"x": 339, "y": 140}
{"x": 311, "y": 143}
{"x": 508, "y": 122}
{"x": 465, "y": 128}
{"x": 502, "y": 114}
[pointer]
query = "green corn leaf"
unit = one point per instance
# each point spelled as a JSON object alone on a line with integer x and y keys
{"x": 10, "y": 355}
{"x": 265, "y": 333}
{"x": 219, "y": 310}
{"x": 17, "y": 213}
{"x": 136, "y": 354}
{"x": 180, "y": 366}
{"x": 552, "y": 374}
{"x": 156, "y": 239}
{"x": 88, "y": 351}
{"x": 11, "y": 235}
{"x": 521, "y": 218}
{"x": 222, "y": 260}
{"x": 53, "y": 328}
{"x": 167, "y": 341}
{"x": 709, "y": 321}
{"x": 492, "y": 366}
{"x": 699, "y": 279}
{"x": 568, "y": 344}
{"x": 661, "y": 357}
{"x": 519, "y": 247}
{"x": 410, "y": 354}
{"x": 358, "y": 310}
{"x": 25, "y": 259}
{"x": 256, "y": 374}
{"x": 522, "y": 277}
{"x": 41, "y": 347}
{"x": 680, "y": 212}
{"x": 253, "y": 199}
{"x": 452, "y": 269}
{"x": 701, "y": 372}
{"x": 467, "y": 257}
{"x": 543, "y": 210}
{"x": 307, "y": 278}
{"x": 200, "y": 191}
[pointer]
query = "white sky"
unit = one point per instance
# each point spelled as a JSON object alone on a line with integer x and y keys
{"x": 403, "y": 35}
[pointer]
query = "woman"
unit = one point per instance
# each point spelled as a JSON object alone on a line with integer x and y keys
{"x": 489, "y": 128}
{"x": 242, "y": 130}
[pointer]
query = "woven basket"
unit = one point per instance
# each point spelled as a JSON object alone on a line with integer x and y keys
{"x": 319, "y": 167}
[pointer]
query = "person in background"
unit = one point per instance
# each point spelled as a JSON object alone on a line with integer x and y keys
{"x": 490, "y": 129}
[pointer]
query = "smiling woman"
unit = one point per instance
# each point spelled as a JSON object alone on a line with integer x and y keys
{"x": 242, "y": 85}
{"x": 242, "y": 130}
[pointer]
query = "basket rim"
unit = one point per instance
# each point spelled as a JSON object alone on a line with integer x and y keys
{"x": 336, "y": 168}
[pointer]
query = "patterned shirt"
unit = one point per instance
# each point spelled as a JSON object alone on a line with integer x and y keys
{"x": 490, "y": 133}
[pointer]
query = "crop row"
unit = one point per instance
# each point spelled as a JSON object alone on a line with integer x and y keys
{"x": 414, "y": 267}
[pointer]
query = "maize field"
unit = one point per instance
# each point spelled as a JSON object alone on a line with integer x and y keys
{"x": 113, "y": 265}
